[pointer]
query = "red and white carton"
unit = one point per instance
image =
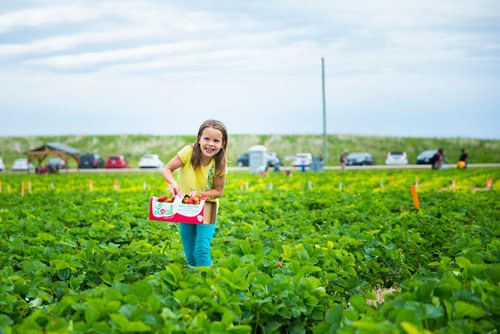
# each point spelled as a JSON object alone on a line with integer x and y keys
{"x": 178, "y": 212}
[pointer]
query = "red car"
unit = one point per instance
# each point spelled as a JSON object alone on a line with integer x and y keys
{"x": 116, "y": 161}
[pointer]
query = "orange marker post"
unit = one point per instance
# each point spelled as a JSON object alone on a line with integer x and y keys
{"x": 489, "y": 183}
{"x": 22, "y": 188}
{"x": 0, "y": 186}
{"x": 91, "y": 185}
{"x": 415, "y": 197}
{"x": 116, "y": 184}
{"x": 392, "y": 180}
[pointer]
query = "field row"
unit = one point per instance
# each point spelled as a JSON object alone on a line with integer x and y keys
{"x": 352, "y": 181}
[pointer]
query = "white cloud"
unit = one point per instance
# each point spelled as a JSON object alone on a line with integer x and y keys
{"x": 261, "y": 59}
{"x": 45, "y": 16}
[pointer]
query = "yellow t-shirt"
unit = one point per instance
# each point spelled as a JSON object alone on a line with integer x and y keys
{"x": 191, "y": 180}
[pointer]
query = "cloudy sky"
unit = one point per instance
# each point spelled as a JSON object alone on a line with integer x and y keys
{"x": 392, "y": 67}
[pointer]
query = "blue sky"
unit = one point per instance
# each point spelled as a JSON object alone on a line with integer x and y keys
{"x": 393, "y": 68}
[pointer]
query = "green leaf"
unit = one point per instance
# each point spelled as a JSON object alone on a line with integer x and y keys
{"x": 408, "y": 315}
{"x": 128, "y": 326}
{"x": 5, "y": 321}
{"x": 141, "y": 289}
{"x": 463, "y": 262}
{"x": 35, "y": 303}
{"x": 410, "y": 328}
{"x": 64, "y": 274}
{"x": 334, "y": 315}
{"x": 8, "y": 271}
{"x": 239, "y": 329}
{"x": 463, "y": 309}
{"x": 137, "y": 326}
{"x": 91, "y": 315}
{"x": 433, "y": 311}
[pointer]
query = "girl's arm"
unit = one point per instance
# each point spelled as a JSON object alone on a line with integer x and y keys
{"x": 218, "y": 189}
{"x": 167, "y": 173}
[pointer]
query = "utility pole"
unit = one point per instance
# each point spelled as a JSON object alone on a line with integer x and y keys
{"x": 324, "y": 111}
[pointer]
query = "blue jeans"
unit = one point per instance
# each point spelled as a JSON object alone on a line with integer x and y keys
{"x": 196, "y": 239}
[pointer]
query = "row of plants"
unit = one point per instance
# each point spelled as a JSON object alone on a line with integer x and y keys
{"x": 350, "y": 181}
{"x": 301, "y": 256}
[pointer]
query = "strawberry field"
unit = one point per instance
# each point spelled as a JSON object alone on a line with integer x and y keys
{"x": 307, "y": 253}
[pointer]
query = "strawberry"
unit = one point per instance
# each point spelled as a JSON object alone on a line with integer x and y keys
{"x": 170, "y": 200}
{"x": 162, "y": 198}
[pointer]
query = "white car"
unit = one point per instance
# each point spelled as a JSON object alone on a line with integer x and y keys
{"x": 2, "y": 165}
{"x": 21, "y": 164}
{"x": 150, "y": 161}
{"x": 396, "y": 158}
{"x": 302, "y": 159}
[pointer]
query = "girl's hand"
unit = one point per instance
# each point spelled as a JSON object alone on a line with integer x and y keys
{"x": 174, "y": 188}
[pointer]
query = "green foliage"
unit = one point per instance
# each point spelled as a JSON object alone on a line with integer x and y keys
{"x": 304, "y": 257}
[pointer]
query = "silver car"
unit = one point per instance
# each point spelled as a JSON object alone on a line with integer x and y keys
{"x": 150, "y": 161}
{"x": 396, "y": 158}
{"x": 21, "y": 164}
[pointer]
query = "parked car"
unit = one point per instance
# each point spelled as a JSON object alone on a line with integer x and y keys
{"x": 21, "y": 164}
{"x": 425, "y": 157}
{"x": 302, "y": 159}
{"x": 243, "y": 160}
{"x": 116, "y": 161}
{"x": 91, "y": 160}
{"x": 150, "y": 161}
{"x": 272, "y": 160}
{"x": 396, "y": 158}
{"x": 2, "y": 165}
{"x": 360, "y": 159}
{"x": 56, "y": 163}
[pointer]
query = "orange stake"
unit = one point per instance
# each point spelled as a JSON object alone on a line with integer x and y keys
{"x": 415, "y": 197}
{"x": 22, "y": 188}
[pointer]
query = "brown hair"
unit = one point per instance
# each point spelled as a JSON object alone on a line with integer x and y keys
{"x": 220, "y": 158}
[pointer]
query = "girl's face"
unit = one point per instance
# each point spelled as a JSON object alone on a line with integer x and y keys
{"x": 211, "y": 141}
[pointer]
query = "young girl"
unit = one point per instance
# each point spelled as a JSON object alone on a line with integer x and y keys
{"x": 202, "y": 169}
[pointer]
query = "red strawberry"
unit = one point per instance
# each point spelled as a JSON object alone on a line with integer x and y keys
{"x": 162, "y": 198}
